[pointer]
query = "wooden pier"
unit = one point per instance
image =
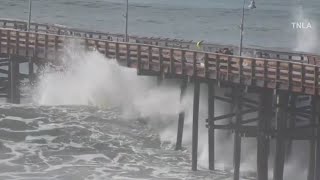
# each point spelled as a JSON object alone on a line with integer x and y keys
{"x": 287, "y": 87}
{"x": 157, "y": 41}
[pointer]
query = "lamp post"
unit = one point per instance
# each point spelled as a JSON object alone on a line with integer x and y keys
{"x": 251, "y": 6}
{"x": 29, "y": 19}
{"x": 126, "y": 30}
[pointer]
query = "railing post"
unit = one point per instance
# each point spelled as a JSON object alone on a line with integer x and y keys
{"x": 195, "y": 67}
{"x": 240, "y": 69}
{"x": 36, "y": 45}
{"x": 139, "y": 64}
{"x": 228, "y": 68}
{"x": 27, "y": 44}
{"x": 149, "y": 57}
{"x": 316, "y": 80}
{"x": 206, "y": 66}
{"x": 106, "y": 49}
{"x": 172, "y": 70}
{"x": 253, "y": 72}
{"x": 86, "y": 44}
{"x": 56, "y": 47}
{"x": 8, "y": 42}
{"x": 303, "y": 71}
{"x": 0, "y": 41}
{"x": 290, "y": 76}
{"x": 183, "y": 64}
{"x": 46, "y": 46}
{"x": 277, "y": 83}
{"x": 128, "y": 55}
{"x": 117, "y": 52}
{"x": 161, "y": 73}
{"x": 218, "y": 68}
{"x": 17, "y": 43}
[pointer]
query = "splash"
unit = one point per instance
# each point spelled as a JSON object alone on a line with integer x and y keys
{"x": 306, "y": 38}
{"x": 88, "y": 78}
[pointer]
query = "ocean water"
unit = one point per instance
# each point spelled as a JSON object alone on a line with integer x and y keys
{"x": 98, "y": 120}
{"x": 269, "y": 25}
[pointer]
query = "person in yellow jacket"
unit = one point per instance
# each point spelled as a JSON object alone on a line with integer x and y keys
{"x": 199, "y": 44}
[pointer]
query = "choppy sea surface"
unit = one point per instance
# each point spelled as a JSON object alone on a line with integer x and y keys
{"x": 82, "y": 142}
{"x": 76, "y": 127}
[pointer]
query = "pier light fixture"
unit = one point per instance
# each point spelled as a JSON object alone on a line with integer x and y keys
{"x": 126, "y": 16}
{"x": 29, "y": 18}
{"x": 252, "y": 5}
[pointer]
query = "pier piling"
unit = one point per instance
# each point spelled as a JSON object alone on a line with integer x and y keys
{"x": 264, "y": 118}
{"x": 196, "y": 99}
{"x": 31, "y": 71}
{"x": 183, "y": 88}
{"x": 237, "y": 136}
{"x": 317, "y": 148}
{"x": 13, "y": 78}
{"x": 312, "y": 149}
{"x": 211, "y": 136}
{"x": 281, "y": 121}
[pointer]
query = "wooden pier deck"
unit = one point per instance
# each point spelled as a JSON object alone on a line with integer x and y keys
{"x": 158, "y": 41}
{"x": 173, "y": 62}
{"x": 281, "y": 84}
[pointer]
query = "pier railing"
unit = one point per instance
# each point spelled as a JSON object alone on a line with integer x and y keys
{"x": 166, "y": 42}
{"x": 174, "y": 62}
